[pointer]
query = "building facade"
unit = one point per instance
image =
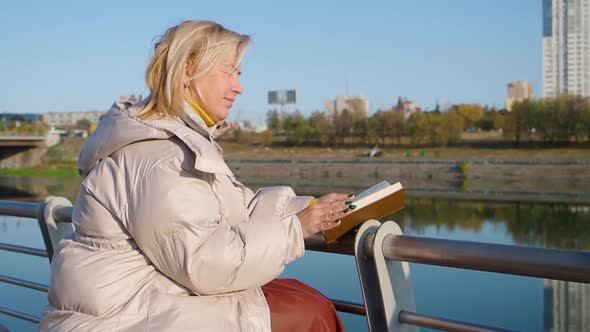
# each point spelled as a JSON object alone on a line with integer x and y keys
{"x": 64, "y": 119}
{"x": 518, "y": 91}
{"x": 406, "y": 107}
{"x": 566, "y": 43}
{"x": 359, "y": 106}
{"x": 566, "y": 306}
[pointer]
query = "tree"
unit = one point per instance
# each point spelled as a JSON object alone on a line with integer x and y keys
{"x": 377, "y": 127}
{"x": 519, "y": 120}
{"x": 296, "y": 128}
{"x": 320, "y": 128}
{"x": 453, "y": 124}
{"x": 488, "y": 121}
{"x": 267, "y": 138}
{"x": 418, "y": 128}
{"x": 343, "y": 125}
{"x": 549, "y": 119}
{"x": 471, "y": 114}
{"x": 395, "y": 124}
{"x": 436, "y": 133}
{"x": 238, "y": 134}
{"x": 273, "y": 121}
{"x": 361, "y": 129}
{"x": 83, "y": 124}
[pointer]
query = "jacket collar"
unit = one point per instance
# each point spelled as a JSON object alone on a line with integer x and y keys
{"x": 195, "y": 122}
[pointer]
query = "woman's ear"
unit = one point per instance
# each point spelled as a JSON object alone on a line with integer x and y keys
{"x": 187, "y": 73}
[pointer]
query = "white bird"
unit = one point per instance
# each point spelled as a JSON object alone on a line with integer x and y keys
{"x": 375, "y": 151}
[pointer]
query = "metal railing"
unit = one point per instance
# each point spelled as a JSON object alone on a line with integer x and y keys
{"x": 382, "y": 254}
{"x": 54, "y": 217}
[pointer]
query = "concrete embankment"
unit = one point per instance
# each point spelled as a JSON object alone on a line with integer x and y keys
{"x": 543, "y": 180}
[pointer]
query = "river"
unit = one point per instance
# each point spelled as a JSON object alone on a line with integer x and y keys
{"x": 513, "y": 302}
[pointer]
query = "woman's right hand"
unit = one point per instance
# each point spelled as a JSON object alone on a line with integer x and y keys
{"x": 325, "y": 214}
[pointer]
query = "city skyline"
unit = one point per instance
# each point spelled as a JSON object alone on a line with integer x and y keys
{"x": 73, "y": 57}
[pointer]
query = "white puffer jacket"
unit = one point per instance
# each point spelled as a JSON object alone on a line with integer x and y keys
{"x": 166, "y": 238}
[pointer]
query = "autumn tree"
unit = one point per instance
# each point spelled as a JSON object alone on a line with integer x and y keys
{"x": 471, "y": 114}
{"x": 418, "y": 127}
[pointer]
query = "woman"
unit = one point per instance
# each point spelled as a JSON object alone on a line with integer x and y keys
{"x": 166, "y": 238}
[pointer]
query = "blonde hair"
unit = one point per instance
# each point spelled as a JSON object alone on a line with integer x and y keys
{"x": 202, "y": 45}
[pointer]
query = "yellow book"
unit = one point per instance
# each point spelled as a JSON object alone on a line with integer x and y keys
{"x": 376, "y": 202}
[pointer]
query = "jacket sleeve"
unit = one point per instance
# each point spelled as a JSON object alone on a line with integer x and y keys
{"x": 176, "y": 222}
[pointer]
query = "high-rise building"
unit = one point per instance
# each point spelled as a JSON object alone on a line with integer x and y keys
{"x": 518, "y": 91}
{"x": 358, "y": 106}
{"x": 566, "y": 306}
{"x": 566, "y": 47}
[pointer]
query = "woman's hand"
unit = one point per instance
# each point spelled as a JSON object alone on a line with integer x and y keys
{"x": 325, "y": 214}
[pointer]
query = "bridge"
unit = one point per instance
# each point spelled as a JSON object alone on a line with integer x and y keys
{"x": 23, "y": 151}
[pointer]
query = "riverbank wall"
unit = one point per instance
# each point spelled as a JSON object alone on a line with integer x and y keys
{"x": 545, "y": 180}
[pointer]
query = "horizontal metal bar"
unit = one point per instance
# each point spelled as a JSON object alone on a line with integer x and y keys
{"x": 63, "y": 213}
{"x": 24, "y": 283}
{"x": 31, "y": 210}
{"x": 344, "y": 245}
{"x": 412, "y": 318}
{"x": 19, "y": 315}
{"x": 568, "y": 265}
{"x": 349, "y": 307}
{"x": 19, "y": 209}
{"x": 23, "y": 250}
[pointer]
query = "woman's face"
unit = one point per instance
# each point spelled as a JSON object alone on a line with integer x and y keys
{"x": 218, "y": 90}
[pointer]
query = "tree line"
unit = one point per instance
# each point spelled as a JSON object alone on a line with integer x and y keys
{"x": 554, "y": 120}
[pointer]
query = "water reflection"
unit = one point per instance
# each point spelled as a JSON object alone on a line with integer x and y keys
{"x": 532, "y": 224}
{"x": 34, "y": 189}
{"x": 566, "y": 306}
{"x": 14, "y": 222}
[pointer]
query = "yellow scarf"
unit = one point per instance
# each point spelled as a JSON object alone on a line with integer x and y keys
{"x": 208, "y": 121}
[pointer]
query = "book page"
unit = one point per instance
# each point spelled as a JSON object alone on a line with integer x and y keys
{"x": 379, "y": 186}
{"x": 376, "y": 193}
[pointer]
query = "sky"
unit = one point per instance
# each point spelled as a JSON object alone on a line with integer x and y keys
{"x": 62, "y": 56}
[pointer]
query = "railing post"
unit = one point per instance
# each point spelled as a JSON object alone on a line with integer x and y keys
{"x": 368, "y": 278}
{"x": 385, "y": 284}
{"x": 53, "y": 231}
{"x": 396, "y": 288}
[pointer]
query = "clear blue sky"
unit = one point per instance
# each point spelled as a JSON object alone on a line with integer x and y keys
{"x": 80, "y": 55}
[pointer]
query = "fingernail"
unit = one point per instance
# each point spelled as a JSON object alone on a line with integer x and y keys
{"x": 348, "y": 202}
{"x": 346, "y": 210}
{"x": 352, "y": 207}
{"x": 350, "y": 195}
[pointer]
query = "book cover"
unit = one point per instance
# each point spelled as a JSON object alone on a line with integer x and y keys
{"x": 376, "y": 202}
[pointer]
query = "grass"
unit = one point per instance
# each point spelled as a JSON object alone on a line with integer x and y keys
{"x": 463, "y": 169}
{"x": 242, "y": 150}
{"x": 255, "y": 146}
